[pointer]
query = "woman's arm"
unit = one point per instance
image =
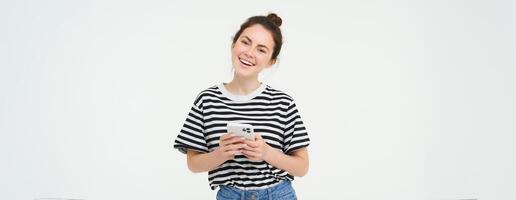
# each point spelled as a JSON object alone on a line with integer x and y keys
{"x": 295, "y": 164}
{"x": 229, "y": 145}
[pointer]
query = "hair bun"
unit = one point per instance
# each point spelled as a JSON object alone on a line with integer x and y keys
{"x": 275, "y": 19}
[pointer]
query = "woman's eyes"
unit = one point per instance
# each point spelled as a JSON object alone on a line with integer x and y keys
{"x": 247, "y": 43}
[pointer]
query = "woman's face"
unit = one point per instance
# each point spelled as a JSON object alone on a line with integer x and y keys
{"x": 252, "y": 51}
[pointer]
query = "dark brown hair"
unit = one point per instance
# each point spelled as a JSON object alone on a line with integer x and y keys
{"x": 271, "y": 22}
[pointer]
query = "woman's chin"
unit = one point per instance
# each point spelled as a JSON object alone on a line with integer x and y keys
{"x": 244, "y": 73}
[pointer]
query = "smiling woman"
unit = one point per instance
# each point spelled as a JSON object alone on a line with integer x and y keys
{"x": 251, "y": 52}
{"x": 261, "y": 168}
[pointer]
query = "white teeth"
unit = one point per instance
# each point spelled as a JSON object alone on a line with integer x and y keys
{"x": 246, "y": 62}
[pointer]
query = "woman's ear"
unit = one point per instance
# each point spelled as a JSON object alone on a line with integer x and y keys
{"x": 272, "y": 62}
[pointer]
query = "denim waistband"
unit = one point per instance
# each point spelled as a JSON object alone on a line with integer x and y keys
{"x": 275, "y": 186}
{"x": 279, "y": 189}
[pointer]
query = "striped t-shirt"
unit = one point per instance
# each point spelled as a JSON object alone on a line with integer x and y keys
{"x": 271, "y": 112}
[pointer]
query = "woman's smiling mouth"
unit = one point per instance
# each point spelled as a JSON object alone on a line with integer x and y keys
{"x": 246, "y": 62}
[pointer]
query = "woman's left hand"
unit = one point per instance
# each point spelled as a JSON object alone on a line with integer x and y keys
{"x": 256, "y": 150}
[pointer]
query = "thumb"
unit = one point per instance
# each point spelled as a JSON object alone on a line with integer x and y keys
{"x": 258, "y": 136}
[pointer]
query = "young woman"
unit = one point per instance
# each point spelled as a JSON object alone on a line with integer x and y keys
{"x": 246, "y": 169}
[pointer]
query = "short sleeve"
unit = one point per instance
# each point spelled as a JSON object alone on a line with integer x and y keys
{"x": 191, "y": 135}
{"x": 296, "y": 136}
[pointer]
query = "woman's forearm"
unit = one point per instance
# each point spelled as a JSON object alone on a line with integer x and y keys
{"x": 229, "y": 146}
{"x": 203, "y": 162}
{"x": 295, "y": 164}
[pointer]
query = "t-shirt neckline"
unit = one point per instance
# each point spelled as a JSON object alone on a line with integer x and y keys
{"x": 241, "y": 98}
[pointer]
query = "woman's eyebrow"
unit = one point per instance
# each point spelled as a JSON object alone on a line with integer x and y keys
{"x": 260, "y": 45}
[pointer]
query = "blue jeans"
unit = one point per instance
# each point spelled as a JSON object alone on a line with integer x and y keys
{"x": 281, "y": 191}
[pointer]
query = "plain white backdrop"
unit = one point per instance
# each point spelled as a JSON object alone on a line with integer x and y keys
{"x": 403, "y": 100}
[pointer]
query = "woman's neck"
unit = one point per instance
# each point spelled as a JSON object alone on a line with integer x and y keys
{"x": 239, "y": 86}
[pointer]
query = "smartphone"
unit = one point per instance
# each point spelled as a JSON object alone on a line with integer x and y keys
{"x": 244, "y": 130}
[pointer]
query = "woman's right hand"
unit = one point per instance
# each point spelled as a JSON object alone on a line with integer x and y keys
{"x": 230, "y": 145}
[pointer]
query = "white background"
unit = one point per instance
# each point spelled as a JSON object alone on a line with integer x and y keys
{"x": 402, "y": 99}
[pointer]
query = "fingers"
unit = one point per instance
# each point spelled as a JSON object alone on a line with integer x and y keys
{"x": 251, "y": 149}
{"x": 232, "y": 154}
{"x": 251, "y": 155}
{"x": 234, "y": 139}
{"x": 234, "y": 147}
{"x": 256, "y": 143}
{"x": 250, "y": 143}
{"x": 230, "y": 150}
{"x": 255, "y": 150}
{"x": 226, "y": 136}
{"x": 231, "y": 145}
{"x": 229, "y": 138}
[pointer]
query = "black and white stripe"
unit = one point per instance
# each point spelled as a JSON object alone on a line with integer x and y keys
{"x": 272, "y": 113}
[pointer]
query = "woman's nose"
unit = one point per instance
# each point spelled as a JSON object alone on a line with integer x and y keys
{"x": 250, "y": 52}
